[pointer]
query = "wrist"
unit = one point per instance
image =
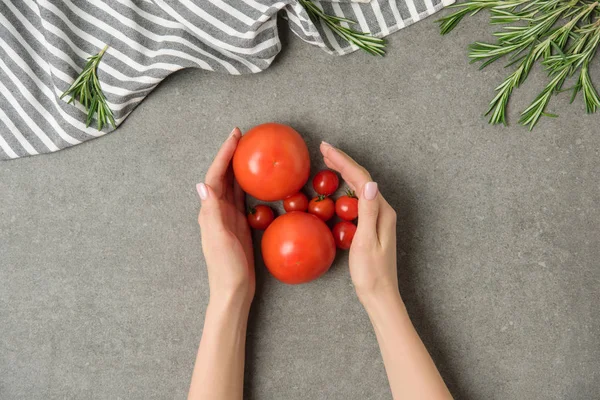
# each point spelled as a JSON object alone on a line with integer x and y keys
{"x": 382, "y": 302}
{"x": 234, "y": 304}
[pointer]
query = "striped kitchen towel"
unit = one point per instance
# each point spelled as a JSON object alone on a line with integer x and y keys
{"x": 44, "y": 45}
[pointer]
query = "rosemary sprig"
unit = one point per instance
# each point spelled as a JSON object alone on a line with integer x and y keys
{"x": 365, "y": 41}
{"x": 449, "y": 22}
{"x": 87, "y": 91}
{"x": 562, "y": 34}
{"x": 533, "y": 113}
{"x": 518, "y": 40}
{"x": 562, "y": 66}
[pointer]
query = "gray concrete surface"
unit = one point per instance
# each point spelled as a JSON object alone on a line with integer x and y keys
{"x": 102, "y": 282}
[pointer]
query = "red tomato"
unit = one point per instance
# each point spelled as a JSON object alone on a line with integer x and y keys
{"x": 322, "y": 207}
{"x": 343, "y": 233}
{"x": 271, "y": 162}
{"x": 296, "y": 202}
{"x": 260, "y": 217}
{"x": 325, "y": 182}
{"x": 297, "y": 248}
{"x": 346, "y": 207}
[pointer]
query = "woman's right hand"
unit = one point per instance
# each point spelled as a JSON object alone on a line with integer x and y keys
{"x": 373, "y": 251}
{"x": 411, "y": 371}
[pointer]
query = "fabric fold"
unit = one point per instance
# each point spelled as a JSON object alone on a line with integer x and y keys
{"x": 44, "y": 45}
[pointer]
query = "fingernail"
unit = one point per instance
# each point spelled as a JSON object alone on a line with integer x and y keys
{"x": 234, "y": 132}
{"x": 328, "y": 147}
{"x": 370, "y": 190}
{"x": 202, "y": 191}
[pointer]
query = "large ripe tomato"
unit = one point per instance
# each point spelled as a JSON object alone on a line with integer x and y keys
{"x": 298, "y": 247}
{"x": 346, "y": 207}
{"x": 343, "y": 233}
{"x": 326, "y": 182}
{"x": 322, "y": 207}
{"x": 296, "y": 202}
{"x": 260, "y": 217}
{"x": 271, "y": 162}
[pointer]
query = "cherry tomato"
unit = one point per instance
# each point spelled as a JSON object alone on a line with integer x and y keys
{"x": 322, "y": 207}
{"x": 296, "y": 202}
{"x": 297, "y": 247}
{"x": 261, "y": 216}
{"x": 271, "y": 162}
{"x": 346, "y": 207}
{"x": 343, "y": 233}
{"x": 326, "y": 182}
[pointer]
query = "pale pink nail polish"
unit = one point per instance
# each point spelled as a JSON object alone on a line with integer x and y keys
{"x": 202, "y": 191}
{"x": 370, "y": 190}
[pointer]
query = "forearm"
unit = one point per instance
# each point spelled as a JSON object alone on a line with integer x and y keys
{"x": 219, "y": 370}
{"x": 410, "y": 369}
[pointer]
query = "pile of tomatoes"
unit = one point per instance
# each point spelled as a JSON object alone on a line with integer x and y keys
{"x": 325, "y": 183}
{"x": 272, "y": 163}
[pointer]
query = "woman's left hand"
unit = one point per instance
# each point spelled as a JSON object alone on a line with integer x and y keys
{"x": 226, "y": 239}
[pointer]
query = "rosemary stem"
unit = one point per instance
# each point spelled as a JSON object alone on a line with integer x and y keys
{"x": 102, "y": 51}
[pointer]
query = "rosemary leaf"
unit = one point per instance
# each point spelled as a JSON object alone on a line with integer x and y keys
{"x": 590, "y": 95}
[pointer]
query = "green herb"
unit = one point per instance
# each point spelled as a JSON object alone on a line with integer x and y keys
{"x": 86, "y": 90}
{"x": 363, "y": 40}
{"x": 562, "y": 34}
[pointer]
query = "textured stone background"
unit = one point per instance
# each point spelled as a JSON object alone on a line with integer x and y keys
{"x": 102, "y": 282}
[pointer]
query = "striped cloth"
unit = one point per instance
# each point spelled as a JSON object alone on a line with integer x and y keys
{"x": 44, "y": 45}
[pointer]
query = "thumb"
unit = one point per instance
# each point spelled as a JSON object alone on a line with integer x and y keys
{"x": 368, "y": 211}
